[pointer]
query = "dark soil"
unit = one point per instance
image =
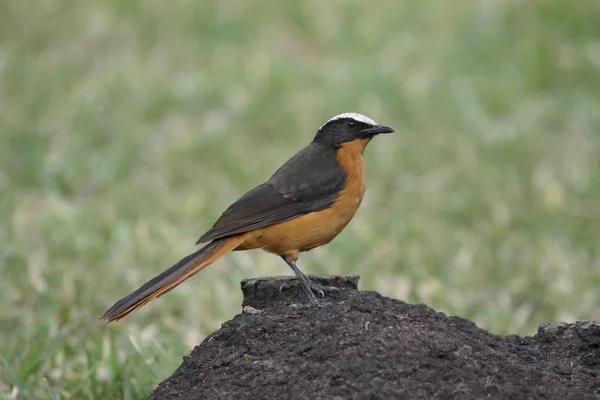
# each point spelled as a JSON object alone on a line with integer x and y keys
{"x": 361, "y": 345}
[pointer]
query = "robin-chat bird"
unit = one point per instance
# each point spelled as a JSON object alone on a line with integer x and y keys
{"x": 307, "y": 202}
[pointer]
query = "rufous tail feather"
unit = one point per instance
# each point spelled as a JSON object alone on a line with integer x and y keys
{"x": 172, "y": 277}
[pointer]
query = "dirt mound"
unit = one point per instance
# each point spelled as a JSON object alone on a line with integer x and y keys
{"x": 361, "y": 345}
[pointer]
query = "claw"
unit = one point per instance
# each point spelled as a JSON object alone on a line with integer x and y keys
{"x": 321, "y": 289}
{"x": 284, "y": 286}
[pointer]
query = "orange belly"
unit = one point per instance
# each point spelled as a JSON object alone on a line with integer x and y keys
{"x": 317, "y": 228}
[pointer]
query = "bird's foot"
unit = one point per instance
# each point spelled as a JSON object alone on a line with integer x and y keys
{"x": 315, "y": 287}
{"x": 320, "y": 290}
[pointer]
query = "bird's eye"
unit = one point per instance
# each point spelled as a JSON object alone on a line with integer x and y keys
{"x": 351, "y": 125}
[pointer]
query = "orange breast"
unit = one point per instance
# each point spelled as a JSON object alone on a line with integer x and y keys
{"x": 320, "y": 227}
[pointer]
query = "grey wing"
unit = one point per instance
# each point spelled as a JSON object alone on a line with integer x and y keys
{"x": 309, "y": 181}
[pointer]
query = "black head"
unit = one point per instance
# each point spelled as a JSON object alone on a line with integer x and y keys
{"x": 348, "y": 127}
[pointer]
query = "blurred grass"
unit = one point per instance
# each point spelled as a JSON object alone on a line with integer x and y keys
{"x": 127, "y": 127}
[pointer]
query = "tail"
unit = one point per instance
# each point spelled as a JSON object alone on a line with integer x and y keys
{"x": 172, "y": 277}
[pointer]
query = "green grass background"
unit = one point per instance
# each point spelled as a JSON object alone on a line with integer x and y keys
{"x": 127, "y": 127}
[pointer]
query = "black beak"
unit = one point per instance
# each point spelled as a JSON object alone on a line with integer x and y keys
{"x": 376, "y": 130}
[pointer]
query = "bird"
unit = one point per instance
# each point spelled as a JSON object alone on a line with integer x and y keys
{"x": 305, "y": 204}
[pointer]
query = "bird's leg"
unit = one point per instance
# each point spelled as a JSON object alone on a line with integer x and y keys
{"x": 307, "y": 284}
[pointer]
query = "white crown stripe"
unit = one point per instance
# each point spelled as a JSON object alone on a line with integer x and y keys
{"x": 355, "y": 116}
